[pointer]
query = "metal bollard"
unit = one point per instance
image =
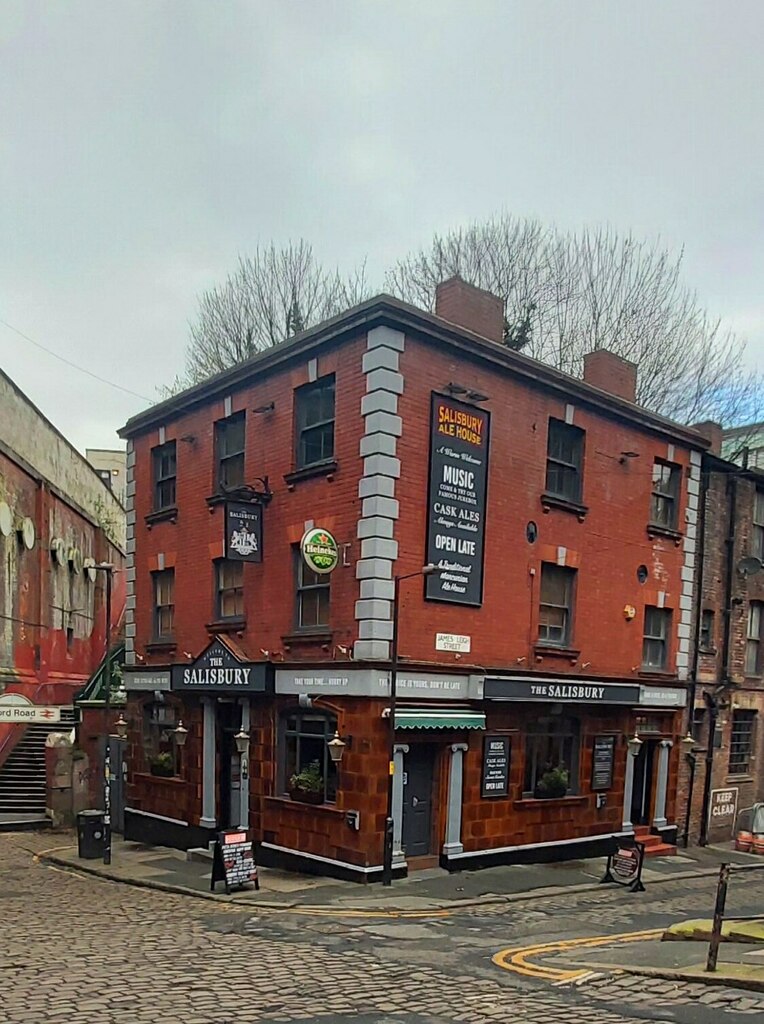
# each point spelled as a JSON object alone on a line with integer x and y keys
{"x": 716, "y": 930}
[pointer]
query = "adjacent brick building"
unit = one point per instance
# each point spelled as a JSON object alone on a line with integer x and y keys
{"x": 729, "y": 698}
{"x": 562, "y": 522}
{"x": 57, "y": 520}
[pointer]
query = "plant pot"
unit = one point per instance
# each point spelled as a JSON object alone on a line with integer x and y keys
{"x": 557, "y": 793}
{"x": 306, "y": 796}
{"x": 161, "y": 772}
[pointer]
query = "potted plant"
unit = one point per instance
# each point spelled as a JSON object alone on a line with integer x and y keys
{"x": 307, "y": 786}
{"x": 162, "y": 765}
{"x": 553, "y": 783}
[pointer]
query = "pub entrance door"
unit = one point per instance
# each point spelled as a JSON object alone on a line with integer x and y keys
{"x": 644, "y": 783}
{"x": 229, "y": 763}
{"x": 417, "y": 800}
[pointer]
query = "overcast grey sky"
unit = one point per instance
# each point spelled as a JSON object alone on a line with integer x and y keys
{"x": 144, "y": 145}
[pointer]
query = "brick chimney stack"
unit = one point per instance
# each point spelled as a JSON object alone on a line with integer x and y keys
{"x": 609, "y": 372}
{"x": 467, "y": 306}
{"x": 713, "y": 432}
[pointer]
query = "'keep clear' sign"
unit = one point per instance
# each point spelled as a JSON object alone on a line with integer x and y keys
{"x": 459, "y": 441}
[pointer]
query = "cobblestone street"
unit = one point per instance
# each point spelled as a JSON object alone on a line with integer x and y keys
{"x": 88, "y": 950}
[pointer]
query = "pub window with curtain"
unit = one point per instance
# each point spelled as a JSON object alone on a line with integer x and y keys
{"x": 312, "y": 596}
{"x": 556, "y": 604}
{"x": 163, "y": 459}
{"x": 314, "y": 422}
{"x": 305, "y": 758}
{"x": 164, "y": 604}
{"x": 229, "y": 452}
{"x": 655, "y": 639}
{"x": 664, "y": 502}
{"x": 564, "y": 460}
{"x": 551, "y": 757}
{"x": 229, "y": 589}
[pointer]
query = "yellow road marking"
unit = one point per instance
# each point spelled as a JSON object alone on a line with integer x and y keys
{"x": 516, "y": 959}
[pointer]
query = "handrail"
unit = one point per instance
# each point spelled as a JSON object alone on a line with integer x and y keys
{"x": 725, "y": 870}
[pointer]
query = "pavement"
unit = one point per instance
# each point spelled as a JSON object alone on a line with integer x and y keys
{"x": 77, "y": 948}
{"x": 431, "y": 889}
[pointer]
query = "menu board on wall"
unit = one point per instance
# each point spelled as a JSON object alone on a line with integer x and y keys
{"x": 495, "y": 780}
{"x": 603, "y": 754}
{"x": 459, "y": 445}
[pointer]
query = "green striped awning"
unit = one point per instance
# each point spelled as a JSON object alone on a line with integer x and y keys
{"x": 437, "y": 718}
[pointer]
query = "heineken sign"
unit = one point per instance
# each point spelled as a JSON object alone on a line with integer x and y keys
{"x": 319, "y": 551}
{"x": 219, "y": 670}
{"x": 459, "y": 440}
{"x": 243, "y": 532}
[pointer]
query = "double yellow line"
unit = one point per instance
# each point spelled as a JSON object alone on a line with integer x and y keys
{"x": 517, "y": 959}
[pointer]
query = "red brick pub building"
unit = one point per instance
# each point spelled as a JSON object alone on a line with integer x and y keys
{"x": 562, "y": 520}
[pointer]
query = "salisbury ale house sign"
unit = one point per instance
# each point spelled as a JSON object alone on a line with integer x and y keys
{"x": 459, "y": 441}
{"x": 218, "y": 670}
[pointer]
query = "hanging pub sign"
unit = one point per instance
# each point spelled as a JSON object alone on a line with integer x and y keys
{"x": 603, "y": 754}
{"x": 233, "y": 861}
{"x": 243, "y": 532}
{"x": 495, "y": 780}
{"x": 219, "y": 670}
{"x": 319, "y": 551}
{"x": 459, "y": 442}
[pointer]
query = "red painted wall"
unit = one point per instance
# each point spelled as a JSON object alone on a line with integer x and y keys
{"x": 37, "y": 595}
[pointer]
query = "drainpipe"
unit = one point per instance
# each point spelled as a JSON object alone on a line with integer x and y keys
{"x": 700, "y": 555}
{"x": 711, "y": 702}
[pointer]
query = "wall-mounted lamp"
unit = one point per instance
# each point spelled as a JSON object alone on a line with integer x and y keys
{"x": 634, "y": 745}
{"x": 336, "y": 747}
{"x": 189, "y": 439}
{"x": 265, "y": 408}
{"x": 242, "y": 741}
{"x": 627, "y": 457}
{"x": 687, "y": 744}
{"x": 180, "y": 733}
{"x": 456, "y": 389}
{"x": 120, "y": 726}
{"x": 476, "y": 396}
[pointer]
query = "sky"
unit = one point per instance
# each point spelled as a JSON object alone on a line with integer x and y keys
{"x": 145, "y": 145}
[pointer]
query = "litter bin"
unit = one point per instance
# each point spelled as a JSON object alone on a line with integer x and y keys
{"x": 90, "y": 837}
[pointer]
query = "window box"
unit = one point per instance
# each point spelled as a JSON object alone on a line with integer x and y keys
{"x": 563, "y": 801}
{"x": 549, "y": 501}
{"x": 327, "y": 469}
{"x": 285, "y": 803}
{"x": 159, "y": 780}
{"x": 162, "y": 515}
{"x": 304, "y": 796}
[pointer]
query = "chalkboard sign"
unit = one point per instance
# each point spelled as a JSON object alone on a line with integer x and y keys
{"x": 602, "y": 762}
{"x": 624, "y": 864}
{"x": 495, "y": 766}
{"x": 233, "y": 861}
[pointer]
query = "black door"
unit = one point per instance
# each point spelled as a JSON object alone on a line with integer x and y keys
{"x": 643, "y": 783}
{"x": 229, "y": 723}
{"x": 417, "y": 800}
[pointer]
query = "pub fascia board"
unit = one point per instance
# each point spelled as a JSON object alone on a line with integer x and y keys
{"x": 362, "y": 682}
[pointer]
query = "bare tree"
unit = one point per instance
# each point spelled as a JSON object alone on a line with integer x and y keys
{"x": 566, "y": 294}
{"x": 271, "y": 296}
